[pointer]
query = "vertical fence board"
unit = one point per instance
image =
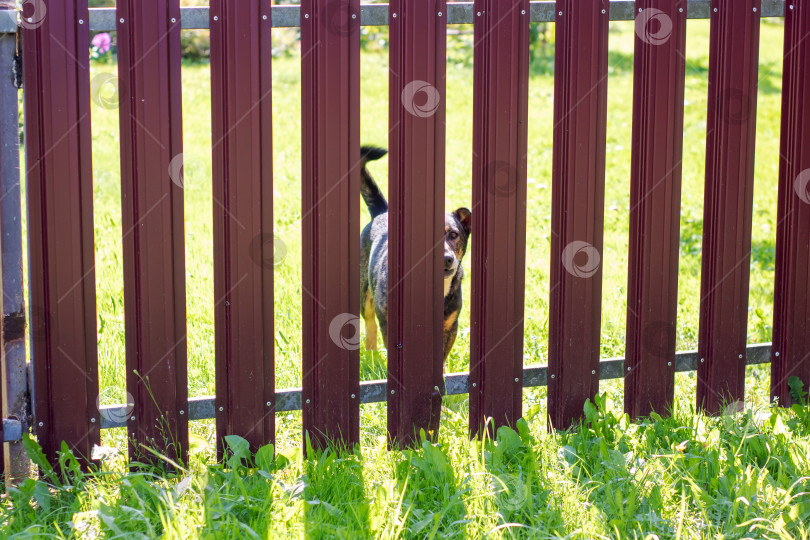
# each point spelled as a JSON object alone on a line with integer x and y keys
{"x": 731, "y": 121}
{"x": 330, "y": 111}
{"x": 577, "y": 212}
{"x": 14, "y": 393}
{"x": 60, "y": 227}
{"x": 500, "y": 104}
{"x": 790, "y": 352}
{"x": 416, "y": 217}
{"x": 655, "y": 198}
{"x": 152, "y": 198}
{"x": 243, "y": 219}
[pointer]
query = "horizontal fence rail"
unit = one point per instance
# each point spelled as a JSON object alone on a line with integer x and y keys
{"x": 197, "y": 18}
{"x": 289, "y": 399}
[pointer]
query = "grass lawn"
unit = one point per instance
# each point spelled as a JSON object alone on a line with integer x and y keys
{"x": 686, "y": 476}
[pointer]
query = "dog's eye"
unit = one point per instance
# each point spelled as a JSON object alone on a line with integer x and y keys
{"x": 453, "y": 235}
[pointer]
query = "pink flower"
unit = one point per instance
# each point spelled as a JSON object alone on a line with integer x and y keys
{"x": 102, "y": 42}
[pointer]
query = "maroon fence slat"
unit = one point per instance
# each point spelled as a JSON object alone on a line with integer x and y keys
{"x": 152, "y": 196}
{"x": 330, "y": 111}
{"x": 731, "y": 121}
{"x": 577, "y": 211}
{"x": 655, "y": 198}
{"x": 790, "y": 352}
{"x": 416, "y": 217}
{"x": 500, "y": 104}
{"x": 243, "y": 218}
{"x": 60, "y": 228}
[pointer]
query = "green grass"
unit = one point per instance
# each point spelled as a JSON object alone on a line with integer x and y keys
{"x": 686, "y": 476}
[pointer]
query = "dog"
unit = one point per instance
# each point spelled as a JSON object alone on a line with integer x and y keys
{"x": 374, "y": 260}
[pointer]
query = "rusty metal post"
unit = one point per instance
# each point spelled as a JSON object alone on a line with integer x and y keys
{"x": 655, "y": 205}
{"x": 152, "y": 198}
{"x": 728, "y": 207}
{"x": 790, "y": 352}
{"x": 416, "y": 218}
{"x": 242, "y": 118}
{"x": 330, "y": 126}
{"x": 577, "y": 211}
{"x": 501, "y": 109}
{"x": 59, "y": 179}
{"x": 14, "y": 387}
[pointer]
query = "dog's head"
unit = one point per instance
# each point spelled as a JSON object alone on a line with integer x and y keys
{"x": 457, "y": 226}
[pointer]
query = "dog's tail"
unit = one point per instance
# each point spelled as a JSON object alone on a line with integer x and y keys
{"x": 371, "y": 193}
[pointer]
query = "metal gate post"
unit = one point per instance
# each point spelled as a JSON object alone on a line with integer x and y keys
{"x": 14, "y": 388}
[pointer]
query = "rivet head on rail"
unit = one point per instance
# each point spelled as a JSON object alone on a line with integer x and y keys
{"x": 392, "y": 392}
{"x": 755, "y": 10}
{"x": 776, "y": 353}
{"x": 92, "y": 420}
{"x": 739, "y": 356}
{"x": 307, "y": 401}
{"x": 478, "y": 14}
{"x": 353, "y": 396}
{"x": 593, "y": 372}
{"x": 669, "y": 363}
{"x": 474, "y": 385}
{"x": 81, "y": 21}
{"x": 680, "y": 10}
{"x": 121, "y": 20}
{"x": 41, "y": 424}
{"x": 604, "y": 11}
{"x": 523, "y": 12}
{"x": 394, "y": 15}
{"x": 715, "y": 10}
{"x": 132, "y": 418}
{"x": 516, "y": 379}
{"x": 639, "y": 10}
{"x": 174, "y": 20}
{"x": 182, "y": 412}
{"x": 559, "y": 13}
{"x": 791, "y": 6}
{"x": 440, "y": 14}
{"x": 628, "y": 368}
{"x": 354, "y": 15}
{"x": 552, "y": 375}
{"x": 702, "y": 360}
{"x": 221, "y": 409}
{"x": 269, "y": 403}
{"x": 264, "y": 17}
{"x": 216, "y": 18}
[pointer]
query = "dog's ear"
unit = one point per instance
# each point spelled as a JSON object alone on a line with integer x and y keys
{"x": 465, "y": 217}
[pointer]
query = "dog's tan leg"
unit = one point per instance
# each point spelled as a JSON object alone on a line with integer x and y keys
{"x": 371, "y": 322}
{"x": 450, "y": 330}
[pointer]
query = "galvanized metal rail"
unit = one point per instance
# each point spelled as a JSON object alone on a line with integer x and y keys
{"x": 104, "y": 19}
{"x": 202, "y": 408}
